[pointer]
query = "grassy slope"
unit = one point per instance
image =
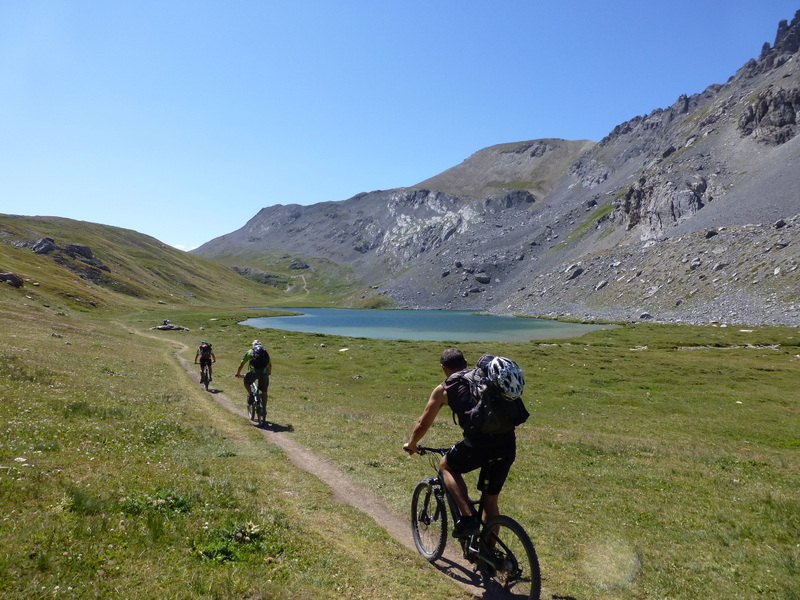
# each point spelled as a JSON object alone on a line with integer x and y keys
{"x": 320, "y": 282}
{"x": 120, "y": 479}
{"x": 141, "y": 270}
{"x": 660, "y": 462}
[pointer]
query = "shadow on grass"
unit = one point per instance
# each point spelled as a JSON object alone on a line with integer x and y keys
{"x": 275, "y": 427}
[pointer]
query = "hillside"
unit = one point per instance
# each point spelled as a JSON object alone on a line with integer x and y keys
{"x": 66, "y": 265}
{"x": 686, "y": 214}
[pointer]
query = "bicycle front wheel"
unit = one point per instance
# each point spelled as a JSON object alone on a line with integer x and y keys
{"x": 512, "y": 563}
{"x": 251, "y": 410}
{"x": 428, "y": 521}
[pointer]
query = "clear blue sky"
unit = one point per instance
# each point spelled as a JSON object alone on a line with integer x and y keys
{"x": 182, "y": 119}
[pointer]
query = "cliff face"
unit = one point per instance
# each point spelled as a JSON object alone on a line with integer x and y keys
{"x": 687, "y": 213}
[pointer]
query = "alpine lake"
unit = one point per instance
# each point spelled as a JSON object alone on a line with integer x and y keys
{"x": 430, "y": 325}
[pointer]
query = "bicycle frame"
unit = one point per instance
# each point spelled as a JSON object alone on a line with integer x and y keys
{"x": 259, "y": 406}
{"x": 501, "y": 551}
{"x": 204, "y": 376}
{"x": 469, "y": 544}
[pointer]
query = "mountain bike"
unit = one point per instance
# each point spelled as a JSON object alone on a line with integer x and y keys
{"x": 256, "y": 405}
{"x": 501, "y": 551}
{"x": 204, "y": 378}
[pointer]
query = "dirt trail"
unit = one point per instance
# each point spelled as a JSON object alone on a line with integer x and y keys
{"x": 347, "y": 492}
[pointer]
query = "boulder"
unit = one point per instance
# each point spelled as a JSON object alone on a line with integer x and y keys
{"x": 44, "y": 245}
{"x": 12, "y": 279}
{"x": 79, "y": 251}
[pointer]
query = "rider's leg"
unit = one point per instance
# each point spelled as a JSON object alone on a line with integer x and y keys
{"x": 263, "y": 385}
{"x": 457, "y": 487}
{"x": 468, "y": 523}
{"x": 490, "y": 506}
{"x": 491, "y": 509}
{"x": 248, "y": 379}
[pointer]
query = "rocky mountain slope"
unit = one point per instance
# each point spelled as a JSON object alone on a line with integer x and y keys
{"x": 689, "y": 213}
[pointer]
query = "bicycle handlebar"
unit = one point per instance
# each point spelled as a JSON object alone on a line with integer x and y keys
{"x": 423, "y": 450}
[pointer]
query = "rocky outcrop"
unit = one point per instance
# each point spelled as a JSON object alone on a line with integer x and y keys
{"x": 12, "y": 279}
{"x": 772, "y": 118}
{"x": 78, "y": 258}
{"x": 44, "y": 246}
{"x": 659, "y": 202}
{"x": 169, "y": 327}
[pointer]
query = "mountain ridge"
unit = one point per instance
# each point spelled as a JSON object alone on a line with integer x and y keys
{"x": 717, "y": 165}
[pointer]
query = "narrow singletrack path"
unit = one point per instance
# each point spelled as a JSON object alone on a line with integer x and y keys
{"x": 346, "y": 491}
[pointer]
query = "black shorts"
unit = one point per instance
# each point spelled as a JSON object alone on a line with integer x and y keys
{"x": 205, "y": 361}
{"x": 493, "y": 459}
{"x": 263, "y": 380}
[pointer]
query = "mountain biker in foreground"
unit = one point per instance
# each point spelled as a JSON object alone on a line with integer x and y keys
{"x": 206, "y": 355}
{"x": 493, "y": 454}
{"x": 259, "y": 368}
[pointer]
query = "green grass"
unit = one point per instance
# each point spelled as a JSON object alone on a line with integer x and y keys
{"x": 119, "y": 478}
{"x": 584, "y": 227}
{"x": 659, "y": 461}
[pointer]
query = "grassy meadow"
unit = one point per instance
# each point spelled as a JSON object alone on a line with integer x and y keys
{"x": 659, "y": 461}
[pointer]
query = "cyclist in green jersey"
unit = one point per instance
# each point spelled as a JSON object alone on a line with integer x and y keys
{"x": 259, "y": 368}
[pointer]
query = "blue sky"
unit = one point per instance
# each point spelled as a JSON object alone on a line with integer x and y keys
{"x": 182, "y": 119}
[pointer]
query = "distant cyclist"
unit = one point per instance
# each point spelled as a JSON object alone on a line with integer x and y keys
{"x": 260, "y": 368}
{"x": 205, "y": 354}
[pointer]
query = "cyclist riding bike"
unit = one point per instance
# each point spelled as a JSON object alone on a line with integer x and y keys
{"x": 205, "y": 354}
{"x": 259, "y": 368}
{"x": 492, "y": 454}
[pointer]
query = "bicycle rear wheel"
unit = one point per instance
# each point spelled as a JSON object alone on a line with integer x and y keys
{"x": 261, "y": 408}
{"x": 514, "y": 566}
{"x": 204, "y": 378}
{"x": 428, "y": 521}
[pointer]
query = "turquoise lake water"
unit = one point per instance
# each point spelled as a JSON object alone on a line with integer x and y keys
{"x": 433, "y": 325}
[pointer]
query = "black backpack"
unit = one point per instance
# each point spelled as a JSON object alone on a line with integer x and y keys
{"x": 259, "y": 358}
{"x": 491, "y": 413}
{"x": 205, "y": 350}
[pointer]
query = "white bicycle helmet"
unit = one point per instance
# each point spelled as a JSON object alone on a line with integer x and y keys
{"x": 507, "y": 376}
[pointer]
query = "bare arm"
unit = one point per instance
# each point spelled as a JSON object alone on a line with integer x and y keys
{"x": 437, "y": 400}
{"x": 246, "y": 359}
